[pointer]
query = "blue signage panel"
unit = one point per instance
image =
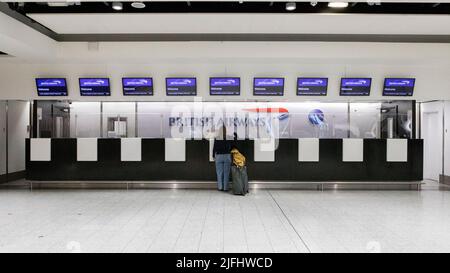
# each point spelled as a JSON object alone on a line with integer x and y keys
{"x": 225, "y": 86}
{"x": 137, "y": 86}
{"x": 312, "y": 86}
{"x": 355, "y": 86}
{"x": 181, "y": 86}
{"x": 94, "y": 87}
{"x": 268, "y": 86}
{"x": 398, "y": 86}
{"x": 51, "y": 87}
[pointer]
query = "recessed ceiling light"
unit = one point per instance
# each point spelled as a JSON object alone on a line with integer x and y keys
{"x": 338, "y": 4}
{"x": 117, "y": 6}
{"x": 138, "y": 5}
{"x": 290, "y": 6}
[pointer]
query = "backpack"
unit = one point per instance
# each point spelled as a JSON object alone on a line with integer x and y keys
{"x": 238, "y": 158}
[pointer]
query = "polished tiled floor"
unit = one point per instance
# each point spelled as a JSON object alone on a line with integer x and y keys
{"x": 212, "y": 221}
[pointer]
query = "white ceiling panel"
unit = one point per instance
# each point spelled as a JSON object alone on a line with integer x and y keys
{"x": 245, "y": 23}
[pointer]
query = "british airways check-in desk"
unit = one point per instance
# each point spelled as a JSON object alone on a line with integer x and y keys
{"x": 178, "y": 159}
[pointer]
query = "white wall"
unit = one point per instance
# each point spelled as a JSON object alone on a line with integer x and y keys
{"x": 447, "y": 138}
{"x": 18, "y": 121}
{"x": 429, "y": 63}
{"x": 2, "y": 137}
{"x": 432, "y": 134}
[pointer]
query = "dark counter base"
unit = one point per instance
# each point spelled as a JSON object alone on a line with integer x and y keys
{"x": 4, "y": 178}
{"x": 197, "y": 166}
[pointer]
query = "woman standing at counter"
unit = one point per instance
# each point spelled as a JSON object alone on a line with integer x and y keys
{"x": 222, "y": 157}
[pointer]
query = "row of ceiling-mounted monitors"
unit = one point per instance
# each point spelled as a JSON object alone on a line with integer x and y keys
{"x": 225, "y": 86}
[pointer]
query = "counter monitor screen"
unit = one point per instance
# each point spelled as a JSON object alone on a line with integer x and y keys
{"x": 51, "y": 86}
{"x": 268, "y": 86}
{"x": 312, "y": 86}
{"x": 225, "y": 86}
{"x": 398, "y": 87}
{"x": 94, "y": 87}
{"x": 181, "y": 86}
{"x": 137, "y": 86}
{"x": 355, "y": 86}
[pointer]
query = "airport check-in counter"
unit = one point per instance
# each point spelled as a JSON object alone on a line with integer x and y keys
{"x": 145, "y": 159}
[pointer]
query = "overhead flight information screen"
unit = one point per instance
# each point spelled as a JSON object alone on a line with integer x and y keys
{"x": 398, "y": 86}
{"x": 225, "y": 86}
{"x": 312, "y": 86}
{"x": 268, "y": 86}
{"x": 137, "y": 86}
{"x": 181, "y": 86}
{"x": 94, "y": 87}
{"x": 51, "y": 86}
{"x": 355, "y": 86}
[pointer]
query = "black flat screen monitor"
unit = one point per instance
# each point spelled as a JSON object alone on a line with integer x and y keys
{"x": 312, "y": 86}
{"x": 268, "y": 86}
{"x": 224, "y": 86}
{"x": 398, "y": 86}
{"x": 51, "y": 87}
{"x": 355, "y": 86}
{"x": 94, "y": 87}
{"x": 181, "y": 86}
{"x": 137, "y": 86}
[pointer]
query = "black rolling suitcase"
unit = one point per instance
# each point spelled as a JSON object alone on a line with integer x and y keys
{"x": 240, "y": 180}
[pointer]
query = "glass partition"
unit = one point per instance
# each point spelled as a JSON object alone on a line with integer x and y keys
{"x": 196, "y": 120}
{"x": 398, "y": 119}
{"x": 319, "y": 120}
{"x": 364, "y": 120}
{"x": 85, "y": 119}
{"x": 119, "y": 119}
{"x": 52, "y": 119}
{"x": 149, "y": 120}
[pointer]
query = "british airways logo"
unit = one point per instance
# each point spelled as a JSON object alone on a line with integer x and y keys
{"x": 282, "y": 113}
{"x": 55, "y": 82}
{"x": 137, "y": 82}
{"x": 224, "y": 81}
{"x": 316, "y": 117}
{"x": 180, "y": 82}
{"x": 93, "y": 82}
{"x": 270, "y": 113}
{"x": 267, "y": 82}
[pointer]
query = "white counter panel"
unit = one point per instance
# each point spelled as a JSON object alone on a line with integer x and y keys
{"x": 40, "y": 149}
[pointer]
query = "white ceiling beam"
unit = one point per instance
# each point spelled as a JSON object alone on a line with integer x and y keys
{"x": 138, "y": 23}
{"x": 21, "y": 41}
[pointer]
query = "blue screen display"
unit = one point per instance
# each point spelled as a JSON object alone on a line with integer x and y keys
{"x": 94, "y": 87}
{"x": 51, "y": 87}
{"x": 312, "y": 86}
{"x": 137, "y": 86}
{"x": 225, "y": 86}
{"x": 398, "y": 86}
{"x": 268, "y": 86}
{"x": 355, "y": 86}
{"x": 181, "y": 86}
